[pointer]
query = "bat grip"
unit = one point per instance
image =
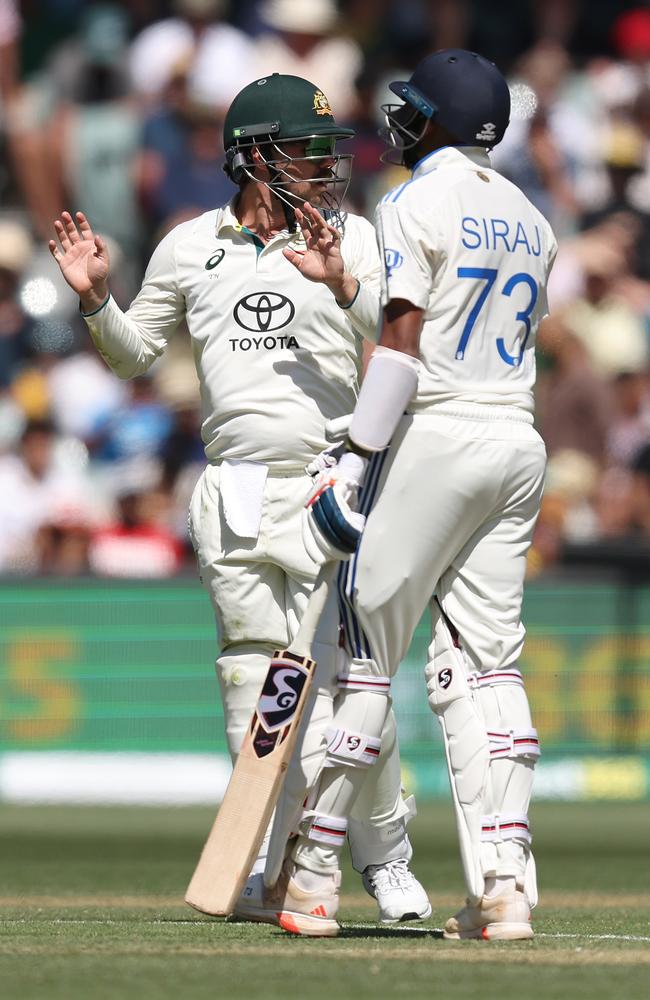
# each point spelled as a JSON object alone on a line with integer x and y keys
{"x": 302, "y": 643}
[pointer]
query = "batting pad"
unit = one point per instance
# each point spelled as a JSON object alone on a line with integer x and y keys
{"x": 514, "y": 751}
{"x": 466, "y": 744}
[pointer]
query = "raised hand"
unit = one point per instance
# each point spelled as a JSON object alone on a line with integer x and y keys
{"x": 321, "y": 260}
{"x": 82, "y": 257}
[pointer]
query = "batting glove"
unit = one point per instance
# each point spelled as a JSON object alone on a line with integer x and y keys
{"x": 325, "y": 460}
{"x": 331, "y": 526}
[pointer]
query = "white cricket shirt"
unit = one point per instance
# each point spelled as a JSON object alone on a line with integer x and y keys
{"x": 466, "y": 246}
{"x": 276, "y": 356}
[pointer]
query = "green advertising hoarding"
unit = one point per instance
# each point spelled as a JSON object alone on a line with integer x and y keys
{"x": 94, "y": 667}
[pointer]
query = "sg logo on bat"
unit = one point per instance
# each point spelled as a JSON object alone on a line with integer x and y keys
{"x": 280, "y": 695}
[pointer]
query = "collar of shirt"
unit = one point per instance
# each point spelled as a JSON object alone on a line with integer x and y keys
{"x": 449, "y": 155}
{"x": 228, "y": 220}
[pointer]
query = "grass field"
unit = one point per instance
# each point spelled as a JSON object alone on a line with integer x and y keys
{"x": 91, "y": 907}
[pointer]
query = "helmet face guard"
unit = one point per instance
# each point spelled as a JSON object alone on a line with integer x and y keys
{"x": 318, "y": 149}
{"x": 405, "y": 127}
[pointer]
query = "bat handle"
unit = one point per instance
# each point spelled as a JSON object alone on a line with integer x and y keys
{"x": 302, "y": 643}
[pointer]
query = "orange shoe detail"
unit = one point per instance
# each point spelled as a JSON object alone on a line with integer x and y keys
{"x": 287, "y": 923}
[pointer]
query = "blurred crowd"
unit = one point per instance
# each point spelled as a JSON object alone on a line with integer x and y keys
{"x": 116, "y": 109}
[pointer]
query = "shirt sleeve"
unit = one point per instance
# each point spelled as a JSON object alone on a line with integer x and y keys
{"x": 129, "y": 342}
{"x": 551, "y": 253}
{"x": 365, "y": 265}
{"x": 408, "y": 259}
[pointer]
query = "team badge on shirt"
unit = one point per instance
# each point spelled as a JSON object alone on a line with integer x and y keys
{"x": 393, "y": 259}
{"x": 321, "y": 104}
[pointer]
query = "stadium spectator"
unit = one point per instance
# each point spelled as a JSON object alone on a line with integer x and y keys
{"x": 303, "y": 41}
{"x": 566, "y": 118}
{"x": 624, "y": 160}
{"x": 95, "y": 137}
{"x": 640, "y": 513}
{"x": 574, "y": 402}
{"x": 612, "y": 331}
{"x": 139, "y": 428}
{"x": 180, "y": 165}
{"x": 15, "y": 326}
{"x": 629, "y": 429}
{"x": 138, "y": 543}
{"x": 218, "y": 56}
{"x": 38, "y": 488}
{"x": 10, "y": 26}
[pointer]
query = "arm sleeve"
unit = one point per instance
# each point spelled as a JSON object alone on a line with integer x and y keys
{"x": 129, "y": 342}
{"x": 408, "y": 262}
{"x": 366, "y": 268}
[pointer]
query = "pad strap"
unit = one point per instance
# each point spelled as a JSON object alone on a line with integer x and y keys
{"x": 324, "y": 829}
{"x": 492, "y": 677}
{"x": 345, "y": 746}
{"x": 364, "y": 682}
{"x": 510, "y": 743}
{"x": 507, "y": 826}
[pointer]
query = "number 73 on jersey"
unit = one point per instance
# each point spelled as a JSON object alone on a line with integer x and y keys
{"x": 489, "y": 275}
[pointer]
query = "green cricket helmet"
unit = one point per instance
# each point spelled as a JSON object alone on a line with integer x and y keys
{"x": 278, "y": 109}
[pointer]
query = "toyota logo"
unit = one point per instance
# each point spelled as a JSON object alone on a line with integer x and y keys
{"x": 263, "y": 311}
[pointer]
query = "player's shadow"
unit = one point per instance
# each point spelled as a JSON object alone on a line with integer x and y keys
{"x": 375, "y": 931}
{"x": 370, "y": 931}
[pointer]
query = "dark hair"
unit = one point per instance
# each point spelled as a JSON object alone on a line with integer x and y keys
{"x": 641, "y": 461}
{"x": 38, "y": 426}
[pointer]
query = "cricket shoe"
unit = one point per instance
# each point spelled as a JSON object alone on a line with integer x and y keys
{"x": 301, "y": 901}
{"x": 398, "y": 893}
{"x": 505, "y": 917}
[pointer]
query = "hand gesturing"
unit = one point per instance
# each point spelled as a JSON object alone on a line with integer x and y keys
{"x": 321, "y": 260}
{"x": 81, "y": 255}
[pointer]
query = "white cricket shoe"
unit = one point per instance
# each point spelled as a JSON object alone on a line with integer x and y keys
{"x": 398, "y": 893}
{"x": 301, "y": 901}
{"x": 495, "y": 918}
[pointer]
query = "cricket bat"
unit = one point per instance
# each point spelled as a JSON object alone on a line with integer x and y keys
{"x": 245, "y": 812}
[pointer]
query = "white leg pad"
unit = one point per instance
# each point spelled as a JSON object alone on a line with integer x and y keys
{"x": 357, "y": 711}
{"x": 466, "y": 747}
{"x": 514, "y": 750}
{"x": 377, "y": 825}
{"x": 302, "y": 775}
{"x": 241, "y": 670}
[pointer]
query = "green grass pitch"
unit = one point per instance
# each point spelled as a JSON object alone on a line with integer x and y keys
{"x": 91, "y": 906}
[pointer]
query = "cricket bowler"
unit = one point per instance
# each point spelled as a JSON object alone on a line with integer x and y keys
{"x": 277, "y": 297}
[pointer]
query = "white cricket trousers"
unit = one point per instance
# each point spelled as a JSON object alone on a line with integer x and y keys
{"x": 457, "y": 496}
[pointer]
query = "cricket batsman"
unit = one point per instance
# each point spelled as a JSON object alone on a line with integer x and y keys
{"x": 278, "y": 296}
{"x": 450, "y": 471}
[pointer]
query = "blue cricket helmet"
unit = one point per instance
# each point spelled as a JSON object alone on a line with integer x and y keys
{"x": 461, "y": 90}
